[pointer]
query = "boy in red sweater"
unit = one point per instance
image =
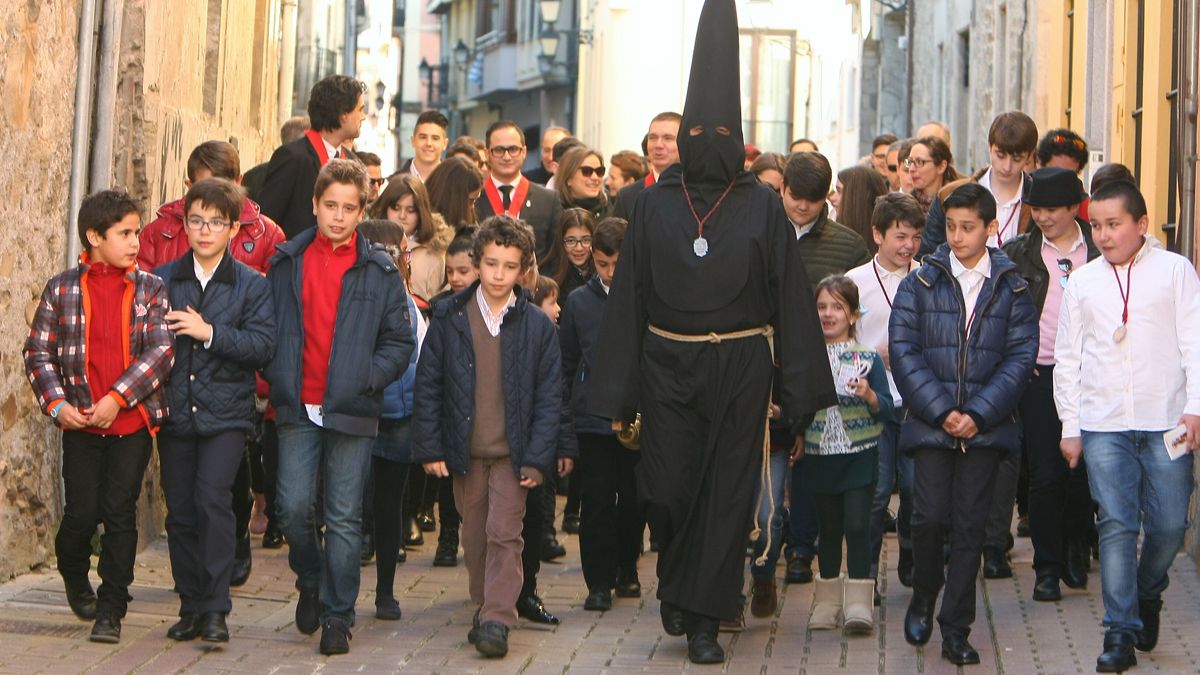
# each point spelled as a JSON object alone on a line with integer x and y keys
{"x": 97, "y": 356}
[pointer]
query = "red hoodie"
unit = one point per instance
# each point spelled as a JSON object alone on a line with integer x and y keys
{"x": 164, "y": 240}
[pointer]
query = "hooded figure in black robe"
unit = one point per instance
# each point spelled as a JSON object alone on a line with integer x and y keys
{"x": 704, "y": 405}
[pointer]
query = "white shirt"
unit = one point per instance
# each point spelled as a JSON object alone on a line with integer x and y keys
{"x": 1008, "y": 214}
{"x": 330, "y": 151}
{"x": 971, "y": 280}
{"x": 499, "y": 183}
{"x": 875, "y": 296}
{"x": 1149, "y": 379}
{"x": 205, "y": 277}
{"x": 493, "y": 321}
{"x": 802, "y": 230}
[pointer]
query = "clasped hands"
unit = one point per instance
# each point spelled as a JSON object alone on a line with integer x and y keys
{"x": 960, "y": 425}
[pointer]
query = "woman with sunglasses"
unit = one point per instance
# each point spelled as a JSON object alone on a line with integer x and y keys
{"x": 406, "y": 202}
{"x": 579, "y": 182}
{"x": 929, "y": 166}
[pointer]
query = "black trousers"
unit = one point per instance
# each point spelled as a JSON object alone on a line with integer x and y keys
{"x": 391, "y": 483}
{"x": 610, "y": 515}
{"x": 102, "y": 480}
{"x": 533, "y": 532}
{"x": 951, "y": 489}
{"x": 1060, "y": 504}
{"x": 243, "y": 503}
{"x": 198, "y": 473}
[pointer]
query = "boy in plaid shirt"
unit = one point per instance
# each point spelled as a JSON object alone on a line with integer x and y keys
{"x": 97, "y": 356}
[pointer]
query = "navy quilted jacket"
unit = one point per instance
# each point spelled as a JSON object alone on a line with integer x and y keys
{"x": 938, "y": 370}
{"x": 212, "y": 390}
{"x": 579, "y": 333}
{"x": 444, "y": 395}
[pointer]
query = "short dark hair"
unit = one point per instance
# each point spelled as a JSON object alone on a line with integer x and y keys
{"x": 331, "y": 98}
{"x": 630, "y": 163}
{"x": 218, "y": 157}
{"x": 504, "y": 230}
{"x": 1109, "y": 173}
{"x": 808, "y": 176}
{"x": 1013, "y": 133}
{"x": 565, "y": 145}
{"x": 369, "y": 158}
{"x": 798, "y": 141}
{"x": 432, "y": 117}
{"x": 768, "y": 161}
{"x": 883, "y": 139}
{"x": 668, "y": 116}
{"x": 293, "y": 128}
{"x": 1131, "y": 197}
{"x": 223, "y": 195}
{"x": 504, "y": 124}
{"x": 463, "y": 242}
{"x": 975, "y": 197}
{"x": 545, "y": 288}
{"x": 609, "y": 235}
{"x": 101, "y": 210}
{"x": 844, "y": 289}
{"x": 345, "y": 171}
{"x": 896, "y": 207}
{"x": 1062, "y": 142}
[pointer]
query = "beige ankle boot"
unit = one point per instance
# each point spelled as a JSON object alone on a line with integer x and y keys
{"x": 827, "y": 604}
{"x": 859, "y": 606}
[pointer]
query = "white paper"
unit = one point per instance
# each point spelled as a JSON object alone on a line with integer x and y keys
{"x": 1176, "y": 442}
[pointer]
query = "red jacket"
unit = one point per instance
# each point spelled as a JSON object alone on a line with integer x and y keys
{"x": 164, "y": 240}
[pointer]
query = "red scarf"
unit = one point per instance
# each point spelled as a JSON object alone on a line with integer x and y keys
{"x": 650, "y": 178}
{"x": 497, "y": 202}
{"x": 318, "y": 144}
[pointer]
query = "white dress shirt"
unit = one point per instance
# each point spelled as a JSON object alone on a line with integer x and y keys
{"x": 875, "y": 296}
{"x": 971, "y": 280}
{"x": 1008, "y": 214}
{"x": 205, "y": 277}
{"x": 1149, "y": 379}
{"x": 491, "y": 320}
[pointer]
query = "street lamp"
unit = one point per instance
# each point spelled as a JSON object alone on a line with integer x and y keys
{"x": 550, "y": 10}
{"x": 427, "y": 73}
{"x": 549, "y": 42}
{"x": 462, "y": 53}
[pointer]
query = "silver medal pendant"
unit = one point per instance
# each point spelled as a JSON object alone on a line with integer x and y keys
{"x": 700, "y": 247}
{"x": 1119, "y": 334}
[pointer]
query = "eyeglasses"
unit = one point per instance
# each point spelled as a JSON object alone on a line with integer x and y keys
{"x": 587, "y": 171}
{"x": 1066, "y": 266}
{"x": 502, "y": 150}
{"x": 1064, "y": 140}
{"x": 577, "y": 242}
{"x": 215, "y": 225}
{"x": 916, "y": 162}
{"x": 378, "y": 182}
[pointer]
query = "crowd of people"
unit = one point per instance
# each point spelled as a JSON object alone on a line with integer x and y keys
{"x": 323, "y": 355}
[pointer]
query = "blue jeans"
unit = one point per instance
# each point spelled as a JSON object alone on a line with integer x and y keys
{"x": 1137, "y": 487}
{"x": 802, "y": 514}
{"x": 766, "y": 519}
{"x": 894, "y": 467}
{"x": 343, "y": 462}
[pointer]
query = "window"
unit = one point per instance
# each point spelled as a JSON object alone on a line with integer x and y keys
{"x": 768, "y": 79}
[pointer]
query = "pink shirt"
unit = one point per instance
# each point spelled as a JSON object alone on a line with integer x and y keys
{"x": 1048, "y": 324}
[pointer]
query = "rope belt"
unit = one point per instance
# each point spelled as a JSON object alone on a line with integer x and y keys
{"x": 764, "y": 475}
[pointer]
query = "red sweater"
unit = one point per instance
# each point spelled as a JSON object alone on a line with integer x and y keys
{"x": 107, "y": 309}
{"x": 324, "y": 268}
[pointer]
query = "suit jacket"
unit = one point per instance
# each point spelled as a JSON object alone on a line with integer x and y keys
{"x": 538, "y": 175}
{"x": 287, "y": 191}
{"x": 623, "y": 204}
{"x": 541, "y": 211}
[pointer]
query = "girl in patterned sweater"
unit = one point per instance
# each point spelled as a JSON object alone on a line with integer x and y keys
{"x": 842, "y": 462}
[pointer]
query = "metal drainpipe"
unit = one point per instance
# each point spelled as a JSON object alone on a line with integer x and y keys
{"x": 106, "y": 95}
{"x": 1189, "y": 93}
{"x": 81, "y": 133}
{"x": 287, "y": 60}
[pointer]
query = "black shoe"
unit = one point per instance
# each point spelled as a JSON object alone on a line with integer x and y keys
{"x": 551, "y": 549}
{"x": 1023, "y": 527}
{"x": 530, "y": 607}
{"x": 672, "y": 618}
{"x": 447, "y": 553}
{"x": 426, "y": 522}
{"x": 702, "y": 641}
{"x": 570, "y": 523}
{"x": 799, "y": 571}
{"x": 386, "y": 608}
{"x": 1147, "y": 638}
{"x": 107, "y": 629}
{"x": 241, "y": 563}
{"x": 213, "y": 628}
{"x": 82, "y": 600}
{"x": 1075, "y": 575}
{"x": 904, "y": 567}
{"x": 918, "y": 622}
{"x": 958, "y": 651}
{"x": 308, "y": 612}
{"x": 628, "y": 585}
{"x": 367, "y": 552}
{"x": 413, "y": 535}
{"x": 473, "y": 634}
{"x": 491, "y": 639}
{"x": 187, "y": 628}
{"x": 889, "y": 521}
{"x": 272, "y": 538}
{"x": 1118, "y": 655}
{"x": 598, "y": 601}
{"x": 335, "y": 638}
{"x": 995, "y": 564}
{"x": 401, "y": 556}
{"x": 1046, "y": 588}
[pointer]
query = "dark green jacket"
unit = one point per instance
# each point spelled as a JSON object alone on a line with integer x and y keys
{"x": 831, "y": 248}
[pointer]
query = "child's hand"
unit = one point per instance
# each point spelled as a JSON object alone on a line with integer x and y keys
{"x": 70, "y": 417}
{"x": 528, "y": 483}
{"x": 1072, "y": 450}
{"x": 189, "y": 322}
{"x": 967, "y": 428}
{"x": 774, "y": 411}
{"x": 437, "y": 469}
{"x": 797, "y": 450}
{"x": 950, "y": 424}
{"x": 565, "y": 464}
{"x": 103, "y": 413}
{"x": 862, "y": 389}
{"x": 1192, "y": 423}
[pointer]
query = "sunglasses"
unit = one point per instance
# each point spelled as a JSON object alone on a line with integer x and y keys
{"x": 892, "y": 167}
{"x": 1066, "y": 266}
{"x": 378, "y": 182}
{"x": 1063, "y": 140}
{"x": 589, "y": 171}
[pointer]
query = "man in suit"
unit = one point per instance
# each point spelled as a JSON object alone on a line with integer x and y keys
{"x": 663, "y": 152}
{"x": 335, "y": 110}
{"x": 254, "y": 179}
{"x": 506, "y": 190}
{"x": 542, "y": 174}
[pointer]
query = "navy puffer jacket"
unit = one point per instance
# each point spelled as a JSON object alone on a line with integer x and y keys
{"x": 212, "y": 390}
{"x": 444, "y": 394}
{"x": 938, "y": 371}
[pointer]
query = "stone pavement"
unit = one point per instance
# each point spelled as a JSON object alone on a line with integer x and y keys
{"x": 38, "y": 633}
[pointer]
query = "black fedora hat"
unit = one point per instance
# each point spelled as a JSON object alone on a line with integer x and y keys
{"x": 1051, "y": 186}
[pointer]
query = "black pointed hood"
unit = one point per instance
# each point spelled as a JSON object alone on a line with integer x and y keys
{"x": 714, "y": 100}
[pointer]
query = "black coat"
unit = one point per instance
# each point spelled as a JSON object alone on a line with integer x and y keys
{"x": 1026, "y": 253}
{"x": 626, "y": 198}
{"x": 579, "y": 335}
{"x": 287, "y": 190}
{"x": 212, "y": 390}
{"x": 372, "y": 338}
{"x": 541, "y": 211}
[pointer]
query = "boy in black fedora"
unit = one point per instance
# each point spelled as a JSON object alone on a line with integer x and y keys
{"x": 1060, "y": 505}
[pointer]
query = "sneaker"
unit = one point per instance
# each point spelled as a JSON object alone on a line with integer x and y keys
{"x": 335, "y": 638}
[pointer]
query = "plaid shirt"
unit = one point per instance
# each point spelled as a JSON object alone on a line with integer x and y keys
{"x": 56, "y": 349}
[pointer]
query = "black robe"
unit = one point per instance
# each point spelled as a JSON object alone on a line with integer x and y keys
{"x": 704, "y": 405}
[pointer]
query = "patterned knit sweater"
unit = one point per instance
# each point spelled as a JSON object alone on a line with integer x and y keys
{"x": 850, "y": 427}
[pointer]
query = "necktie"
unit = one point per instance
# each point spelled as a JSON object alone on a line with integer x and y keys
{"x": 506, "y": 195}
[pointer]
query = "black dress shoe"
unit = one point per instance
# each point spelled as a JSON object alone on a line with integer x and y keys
{"x": 335, "y": 638}
{"x": 702, "y": 640}
{"x": 272, "y": 538}
{"x": 1147, "y": 638}
{"x": 995, "y": 564}
{"x": 918, "y": 622}
{"x": 446, "y": 554}
{"x": 491, "y": 639}
{"x": 958, "y": 651}
{"x": 213, "y": 628}
{"x": 1023, "y": 527}
{"x": 426, "y": 522}
{"x": 672, "y": 618}
{"x": 1075, "y": 574}
{"x": 387, "y": 609}
{"x": 799, "y": 571}
{"x": 367, "y": 552}
{"x": 904, "y": 567}
{"x": 530, "y": 607}
{"x": 107, "y": 629}
{"x": 187, "y": 628}
{"x": 552, "y": 549}
{"x": 598, "y": 601}
{"x": 82, "y": 600}
{"x": 413, "y": 535}
{"x": 308, "y": 612}
{"x": 628, "y": 585}
{"x": 1046, "y": 588}
{"x": 1118, "y": 655}
{"x": 241, "y": 572}
{"x": 401, "y": 556}
{"x": 570, "y": 523}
